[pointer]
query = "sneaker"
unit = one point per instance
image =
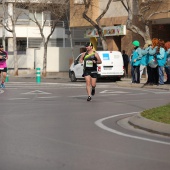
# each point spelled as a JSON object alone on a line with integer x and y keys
{"x": 93, "y": 91}
{"x": 2, "y": 85}
{"x": 89, "y": 99}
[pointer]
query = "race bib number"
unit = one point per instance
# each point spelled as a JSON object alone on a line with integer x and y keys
{"x": 89, "y": 63}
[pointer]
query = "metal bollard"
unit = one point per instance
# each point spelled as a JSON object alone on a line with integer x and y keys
{"x": 7, "y": 77}
{"x": 38, "y": 75}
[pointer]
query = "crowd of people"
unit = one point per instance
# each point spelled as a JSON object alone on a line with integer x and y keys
{"x": 155, "y": 56}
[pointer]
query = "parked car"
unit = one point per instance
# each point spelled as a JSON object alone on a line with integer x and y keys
{"x": 111, "y": 67}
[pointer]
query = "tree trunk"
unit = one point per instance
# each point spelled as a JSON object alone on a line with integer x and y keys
{"x": 15, "y": 53}
{"x": 44, "y": 72}
{"x": 104, "y": 44}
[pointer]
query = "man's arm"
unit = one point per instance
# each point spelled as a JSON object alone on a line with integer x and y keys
{"x": 81, "y": 58}
{"x": 99, "y": 61}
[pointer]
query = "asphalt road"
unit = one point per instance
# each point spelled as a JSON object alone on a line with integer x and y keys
{"x": 51, "y": 126}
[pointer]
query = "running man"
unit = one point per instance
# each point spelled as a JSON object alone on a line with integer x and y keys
{"x": 91, "y": 59}
{"x": 3, "y": 65}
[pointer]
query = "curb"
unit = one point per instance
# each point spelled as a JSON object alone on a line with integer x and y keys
{"x": 149, "y": 125}
{"x": 142, "y": 85}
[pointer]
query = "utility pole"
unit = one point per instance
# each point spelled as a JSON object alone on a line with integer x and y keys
{"x": 3, "y": 28}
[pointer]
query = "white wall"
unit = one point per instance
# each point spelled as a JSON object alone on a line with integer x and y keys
{"x": 116, "y": 9}
{"x": 30, "y": 58}
{"x": 34, "y": 32}
{"x": 22, "y": 61}
{"x": 57, "y": 59}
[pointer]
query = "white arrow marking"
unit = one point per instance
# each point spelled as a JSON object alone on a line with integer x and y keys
{"x": 112, "y": 91}
{"x": 36, "y": 92}
{"x": 1, "y": 91}
{"x": 48, "y": 97}
{"x": 18, "y": 98}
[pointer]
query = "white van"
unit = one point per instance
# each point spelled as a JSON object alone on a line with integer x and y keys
{"x": 112, "y": 66}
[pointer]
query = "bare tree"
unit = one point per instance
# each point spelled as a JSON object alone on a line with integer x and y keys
{"x": 96, "y": 23}
{"x": 8, "y": 18}
{"x": 88, "y": 4}
{"x": 53, "y": 10}
{"x": 139, "y": 15}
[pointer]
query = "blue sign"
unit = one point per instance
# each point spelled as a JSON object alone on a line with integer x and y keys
{"x": 106, "y": 56}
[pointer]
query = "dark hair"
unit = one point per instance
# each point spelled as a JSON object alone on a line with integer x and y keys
{"x": 161, "y": 43}
{"x": 89, "y": 44}
{"x": 167, "y": 45}
{"x": 155, "y": 42}
{"x": 1, "y": 46}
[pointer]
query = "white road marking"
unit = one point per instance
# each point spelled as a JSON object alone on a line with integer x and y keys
{"x": 1, "y": 91}
{"x": 34, "y": 83}
{"x": 36, "y": 92}
{"x": 112, "y": 91}
{"x": 137, "y": 94}
{"x": 109, "y": 94}
{"x": 162, "y": 92}
{"x": 48, "y": 97}
{"x": 101, "y": 125}
{"x": 18, "y": 98}
{"x": 79, "y": 96}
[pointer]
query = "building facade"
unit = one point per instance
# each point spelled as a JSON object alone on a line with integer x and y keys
{"x": 116, "y": 16}
{"x": 27, "y": 32}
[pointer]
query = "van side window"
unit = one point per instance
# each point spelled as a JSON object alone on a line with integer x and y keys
{"x": 76, "y": 61}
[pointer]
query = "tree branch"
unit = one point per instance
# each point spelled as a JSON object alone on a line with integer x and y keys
{"x": 104, "y": 12}
{"x": 157, "y": 13}
{"x": 85, "y": 16}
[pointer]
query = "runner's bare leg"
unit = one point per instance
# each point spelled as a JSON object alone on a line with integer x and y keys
{"x": 88, "y": 85}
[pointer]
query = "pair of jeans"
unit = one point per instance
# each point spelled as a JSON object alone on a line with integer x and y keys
{"x": 167, "y": 71}
{"x": 126, "y": 70}
{"x": 142, "y": 67}
{"x": 161, "y": 74}
{"x": 135, "y": 72}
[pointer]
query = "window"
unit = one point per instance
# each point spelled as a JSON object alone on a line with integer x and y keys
{"x": 21, "y": 44}
{"x": 78, "y": 2}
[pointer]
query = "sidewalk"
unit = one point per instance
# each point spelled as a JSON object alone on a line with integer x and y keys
{"x": 62, "y": 76}
{"x": 126, "y": 82}
{"x": 137, "y": 120}
{"x": 149, "y": 125}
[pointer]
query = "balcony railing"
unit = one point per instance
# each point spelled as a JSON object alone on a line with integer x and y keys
{"x": 31, "y": 23}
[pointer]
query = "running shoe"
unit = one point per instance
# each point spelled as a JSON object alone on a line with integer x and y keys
{"x": 93, "y": 91}
{"x": 89, "y": 99}
{"x": 2, "y": 85}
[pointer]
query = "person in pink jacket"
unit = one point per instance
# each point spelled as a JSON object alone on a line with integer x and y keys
{"x": 3, "y": 65}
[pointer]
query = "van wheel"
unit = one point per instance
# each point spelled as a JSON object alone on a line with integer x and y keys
{"x": 118, "y": 78}
{"x": 72, "y": 77}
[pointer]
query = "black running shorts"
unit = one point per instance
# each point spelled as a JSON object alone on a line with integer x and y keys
{"x": 3, "y": 70}
{"x": 93, "y": 74}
